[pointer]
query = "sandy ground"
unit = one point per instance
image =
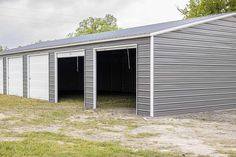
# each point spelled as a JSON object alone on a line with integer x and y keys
{"x": 207, "y": 134}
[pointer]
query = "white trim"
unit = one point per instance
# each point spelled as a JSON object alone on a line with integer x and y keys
{"x": 82, "y": 43}
{"x": 107, "y": 48}
{"x": 72, "y": 53}
{"x": 136, "y": 73}
{"x": 28, "y": 72}
{"x": 191, "y": 24}
{"x": 119, "y": 47}
{"x": 152, "y": 76}
{"x": 7, "y": 75}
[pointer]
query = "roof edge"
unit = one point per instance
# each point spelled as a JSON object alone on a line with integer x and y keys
{"x": 192, "y": 24}
{"x": 77, "y": 44}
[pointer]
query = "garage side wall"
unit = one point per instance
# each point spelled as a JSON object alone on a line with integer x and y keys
{"x": 195, "y": 68}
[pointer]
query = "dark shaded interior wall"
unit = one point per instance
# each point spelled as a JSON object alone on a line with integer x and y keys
{"x": 71, "y": 75}
{"x": 113, "y": 72}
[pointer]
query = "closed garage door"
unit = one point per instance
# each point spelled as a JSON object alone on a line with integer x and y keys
{"x": 38, "y": 77}
{"x": 15, "y": 76}
{"x": 1, "y": 76}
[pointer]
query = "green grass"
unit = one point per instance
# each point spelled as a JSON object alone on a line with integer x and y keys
{"x": 104, "y": 101}
{"x": 116, "y": 101}
{"x": 45, "y": 144}
{"x": 50, "y": 117}
{"x": 230, "y": 152}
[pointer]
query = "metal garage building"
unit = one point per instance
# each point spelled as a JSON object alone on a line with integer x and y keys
{"x": 177, "y": 67}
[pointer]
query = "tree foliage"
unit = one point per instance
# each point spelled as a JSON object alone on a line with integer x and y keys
{"x": 3, "y": 49}
{"x": 95, "y": 25}
{"x": 197, "y": 8}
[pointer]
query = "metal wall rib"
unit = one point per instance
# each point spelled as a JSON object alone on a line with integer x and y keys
{"x": 25, "y": 82}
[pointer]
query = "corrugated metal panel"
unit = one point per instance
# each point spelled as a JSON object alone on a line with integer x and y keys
{"x": 25, "y": 88}
{"x": 195, "y": 68}
{"x": 143, "y": 79}
{"x": 52, "y": 77}
{"x": 88, "y": 71}
{"x": 143, "y": 94}
{"x": 130, "y": 32}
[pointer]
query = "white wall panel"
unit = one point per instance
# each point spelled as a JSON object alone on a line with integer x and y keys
{"x": 15, "y": 76}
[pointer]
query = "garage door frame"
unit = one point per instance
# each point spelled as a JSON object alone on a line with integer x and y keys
{"x": 110, "y": 48}
{"x": 28, "y": 72}
{"x": 66, "y": 54}
{"x": 7, "y": 73}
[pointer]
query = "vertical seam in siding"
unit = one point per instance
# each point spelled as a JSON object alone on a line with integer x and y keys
{"x": 151, "y": 76}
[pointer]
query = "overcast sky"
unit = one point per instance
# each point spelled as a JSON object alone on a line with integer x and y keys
{"x": 23, "y": 22}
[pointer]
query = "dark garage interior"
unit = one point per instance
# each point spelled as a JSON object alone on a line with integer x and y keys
{"x": 71, "y": 78}
{"x": 116, "y": 78}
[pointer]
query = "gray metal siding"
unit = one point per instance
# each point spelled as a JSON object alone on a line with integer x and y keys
{"x": 195, "y": 68}
{"x": 25, "y": 87}
{"x": 88, "y": 72}
{"x": 52, "y": 77}
{"x": 4, "y": 75}
{"x": 143, "y": 72}
{"x": 143, "y": 79}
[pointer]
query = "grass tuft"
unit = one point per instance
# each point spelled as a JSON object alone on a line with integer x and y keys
{"x": 143, "y": 135}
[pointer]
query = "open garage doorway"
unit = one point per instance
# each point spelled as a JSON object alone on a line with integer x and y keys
{"x": 116, "y": 78}
{"x": 70, "y": 78}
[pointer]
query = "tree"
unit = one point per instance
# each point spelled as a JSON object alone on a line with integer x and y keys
{"x": 3, "y": 49}
{"x": 197, "y": 8}
{"x": 95, "y": 25}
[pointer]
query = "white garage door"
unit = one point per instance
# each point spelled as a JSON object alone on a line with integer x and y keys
{"x": 15, "y": 76}
{"x": 1, "y": 76}
{"x": 38, "y": 77}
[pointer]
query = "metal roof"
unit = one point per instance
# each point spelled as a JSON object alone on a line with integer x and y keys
{"x": 117, "y": 35}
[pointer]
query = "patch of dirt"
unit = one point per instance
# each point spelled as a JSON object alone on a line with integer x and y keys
{"x": 214, "y": 116}
{"x": 2, "y": 116}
